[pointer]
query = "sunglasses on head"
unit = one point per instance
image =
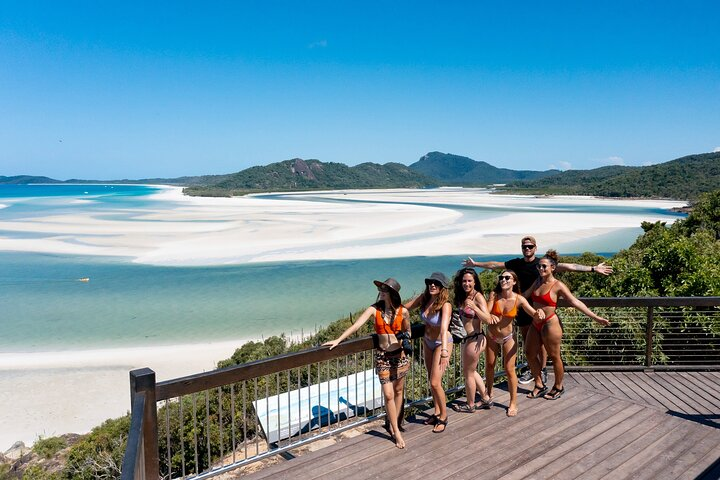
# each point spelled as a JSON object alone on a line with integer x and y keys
{"x": 528, "y": 247}
{"x": 433, "y": 282}
{"x": 505, "y": 278}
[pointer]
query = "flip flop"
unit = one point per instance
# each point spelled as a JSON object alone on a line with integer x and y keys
{"x": 440, "y": 423}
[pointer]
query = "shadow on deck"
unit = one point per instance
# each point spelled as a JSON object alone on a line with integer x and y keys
{"x": 607, "y": 425}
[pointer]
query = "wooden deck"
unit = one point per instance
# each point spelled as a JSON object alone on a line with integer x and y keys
{"x": 607, "y": 425}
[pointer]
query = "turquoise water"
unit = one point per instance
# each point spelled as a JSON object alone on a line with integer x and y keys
{"x": 44, "y": 306}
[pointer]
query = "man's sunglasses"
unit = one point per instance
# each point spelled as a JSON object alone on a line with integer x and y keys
{"x": 528, "y": 247}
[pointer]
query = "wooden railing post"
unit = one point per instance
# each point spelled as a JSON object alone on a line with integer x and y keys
{"x": 649, "y": 337}
{"x": 143, "y": 380}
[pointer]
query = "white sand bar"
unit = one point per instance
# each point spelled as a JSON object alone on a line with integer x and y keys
{"x": 358, "y": 224}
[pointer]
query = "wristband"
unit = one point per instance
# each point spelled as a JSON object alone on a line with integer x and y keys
{"x": 592, "y": 269}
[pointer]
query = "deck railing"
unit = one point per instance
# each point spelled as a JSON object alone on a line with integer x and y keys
{"x": 205, "y": 424}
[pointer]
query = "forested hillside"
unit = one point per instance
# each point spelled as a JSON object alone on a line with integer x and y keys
{"x": 452, "y": 169}
{"x": 683, "y": 178}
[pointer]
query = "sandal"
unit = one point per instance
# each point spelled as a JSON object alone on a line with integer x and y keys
{"x": 463, "y": 408}
{"x": 431, "y": 420}
{"x": 554, "y": 393}
{"x": 440, "y": 423}
{"x": 537, "y": 392}
{"x": 485, "y": 404}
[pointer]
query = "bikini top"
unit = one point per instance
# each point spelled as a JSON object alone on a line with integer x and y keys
{"x": 544, "y": 300}
{"x": 381, "y": 326}
{"x": 433, "y": 320}
{"x": 467, "y": 312}
{"x": 497, "y": 311}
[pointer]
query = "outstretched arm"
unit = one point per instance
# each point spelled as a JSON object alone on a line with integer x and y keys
{"x": 369, "y": 312}
{"x": 600, "y": 268}
{"x": 414, "y": 303}
{"x": 527, "y": 307}
{"x": 564, "y": 291}
{"x": 490, "y": 265}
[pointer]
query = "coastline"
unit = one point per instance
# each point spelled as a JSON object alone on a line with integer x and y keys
{"x": 178, "y": 230}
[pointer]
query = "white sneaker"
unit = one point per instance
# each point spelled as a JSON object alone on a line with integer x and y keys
{"x": 525, "y": 378}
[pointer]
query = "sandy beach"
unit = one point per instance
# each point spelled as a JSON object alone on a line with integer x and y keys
{"x": 52, "y": 393}
{"x": 217, "y": 231}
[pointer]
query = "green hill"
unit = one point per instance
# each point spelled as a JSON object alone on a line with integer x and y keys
{"x": 683, "y": 178}
{"x": 452, "y": 169}
{"x": 25, "y": 180}
{"x": 298, "y": 174}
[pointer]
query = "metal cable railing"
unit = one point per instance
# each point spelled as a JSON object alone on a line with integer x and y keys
{"x": 214, "y": 422}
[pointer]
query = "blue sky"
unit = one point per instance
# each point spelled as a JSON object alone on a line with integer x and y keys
{"x": 110, "y": 90}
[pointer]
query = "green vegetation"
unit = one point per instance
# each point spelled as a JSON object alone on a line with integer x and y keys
{"x": 683, "y": 178}
{"x": 300, "y": 174}
{"x": 47, "y": 447}
{"x": 452, "y": 169}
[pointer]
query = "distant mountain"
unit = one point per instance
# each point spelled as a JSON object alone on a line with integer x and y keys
{"x": 25, "y": 180}
{"x": 299, "y": 174}
{"x": 683, "y": 178}
{"x": 180, "y": 181}
{"x": 456, "y": 170}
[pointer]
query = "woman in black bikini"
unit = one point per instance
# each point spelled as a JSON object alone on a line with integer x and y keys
{"x": 391, "y": 364}
{"x": 504, "y": 302}
{"x": 546, "y": 328}
{"x": 471, "y": 307}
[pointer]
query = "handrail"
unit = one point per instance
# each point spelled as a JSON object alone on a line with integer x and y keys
{"x": 133, "y": 461}
{"x": 142, "y": 454}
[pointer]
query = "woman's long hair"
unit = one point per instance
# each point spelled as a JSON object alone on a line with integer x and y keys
{"x": 441, "y": 299}
{"x": 459, "y": 294}
{"x": 516, "y": 287}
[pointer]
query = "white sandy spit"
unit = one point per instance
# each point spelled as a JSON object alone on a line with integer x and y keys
{"x": 184, "y": 230}
{"x": 48, "y": 394}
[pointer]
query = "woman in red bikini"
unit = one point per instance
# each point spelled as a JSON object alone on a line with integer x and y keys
{"x": 391, "y": 364}
{"x": 546, "y": 327}
{"x": 504, "y": 302}
{"x": 472, "y": 308}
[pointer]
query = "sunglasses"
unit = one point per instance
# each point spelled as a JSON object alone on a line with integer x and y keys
{"x": 528, "y": 247}
{"x": 383, "y": 289}
{"x": 505, "y": 278}
{"x": 542, "y": 266}
{"x": 430, "y": 283}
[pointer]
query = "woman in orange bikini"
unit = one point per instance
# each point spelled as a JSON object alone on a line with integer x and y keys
{"x": 472, "y": 308}
{"x": 504, "y": 302}
{"x": 546, "y": 327}
{"x": 391, "y": 364}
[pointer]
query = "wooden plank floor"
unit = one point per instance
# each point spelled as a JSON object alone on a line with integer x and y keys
{"x": 607, "y": 425}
